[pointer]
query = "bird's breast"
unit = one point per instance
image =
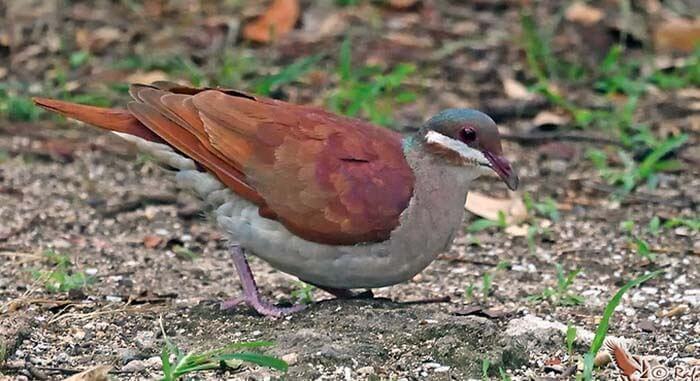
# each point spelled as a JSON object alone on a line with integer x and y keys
{"x": 427, "y": 227}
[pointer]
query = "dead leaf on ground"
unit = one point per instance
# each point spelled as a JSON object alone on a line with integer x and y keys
{"x": 548, "y": 118}
{"x": 97, "y": 40}
{"x": 402, "y": 4}
{"x": 152, "y": 241}
{"x": 515, "y": 89}
{"x": 98, "y": 373}
{"x": 277, "y": 21}
{"x": 147, "y": 76}
{"x": 583, "y": 14}
{"x": 517, "y": 230}
{"x": 677, "y": 34}
{"x": 601, "y": 358}
{"x": 488, "y": 207}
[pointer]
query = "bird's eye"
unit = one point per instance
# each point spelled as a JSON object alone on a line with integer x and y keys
{"x": 467, "y": 135}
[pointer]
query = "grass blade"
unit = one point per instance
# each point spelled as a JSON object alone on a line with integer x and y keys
{"x": 257, "y": 358}
{"x": 603, "y": 326}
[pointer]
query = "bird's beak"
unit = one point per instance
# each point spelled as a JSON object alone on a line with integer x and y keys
{"x": 503, "y": 169}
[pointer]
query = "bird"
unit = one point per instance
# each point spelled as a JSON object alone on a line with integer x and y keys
{"x": 335, "y": 201}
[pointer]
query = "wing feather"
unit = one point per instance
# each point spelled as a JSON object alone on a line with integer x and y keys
{"x": 327, "y": 178}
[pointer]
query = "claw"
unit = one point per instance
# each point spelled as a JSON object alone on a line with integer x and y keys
{"x": 231, "y": 303}
{"x": 251, "y": 296}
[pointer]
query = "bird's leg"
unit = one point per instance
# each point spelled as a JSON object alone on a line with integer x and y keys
{"x": 251, "y": 296}
{"x": 344, "y": 293}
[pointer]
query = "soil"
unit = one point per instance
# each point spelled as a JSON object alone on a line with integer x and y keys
{"x": 121, "y": 220}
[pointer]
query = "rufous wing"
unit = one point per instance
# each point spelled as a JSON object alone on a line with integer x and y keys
{"x": 327, "y": 178}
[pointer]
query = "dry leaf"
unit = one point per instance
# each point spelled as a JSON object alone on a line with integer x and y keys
{"x": 97, "y": 40}
{"x": 410, "y": 40}
{"x": 677, "y": 35}
{"x": 152, "y": 241}
{"x": 583, "y": 14}
{"x": 98, "y": 373}
{"x": 518, "y": 230}
{"x": 402, "y": 4}
{"x": 147, "y": 76}
{"x": 547, "y": 118}
{"x": 488, "y": 207}
{"x": 601, "y": 358}
{"x": 515, "y": 89}
{"x": 333, "y": 25}
{"x": 277, "y": 21}
{"x": 675, "y": 311}
{"x": 689, "y": 93}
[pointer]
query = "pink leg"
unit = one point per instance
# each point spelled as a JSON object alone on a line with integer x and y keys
{"x": 251, "y": 296}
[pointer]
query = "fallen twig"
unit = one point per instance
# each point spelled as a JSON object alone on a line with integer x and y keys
{"x": 542, "y": 137}
{"x": 638, "y": 197}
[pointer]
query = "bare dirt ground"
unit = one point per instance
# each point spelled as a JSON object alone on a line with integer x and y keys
{"x": 122, "y": 221}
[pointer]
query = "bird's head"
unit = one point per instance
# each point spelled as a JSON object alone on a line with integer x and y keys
{"x": 468, "y": 138}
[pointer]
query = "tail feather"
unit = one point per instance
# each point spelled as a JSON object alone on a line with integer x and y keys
{"x": 118, "y": 120}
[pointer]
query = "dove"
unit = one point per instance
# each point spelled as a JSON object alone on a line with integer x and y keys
{"x": 335, "y": 201}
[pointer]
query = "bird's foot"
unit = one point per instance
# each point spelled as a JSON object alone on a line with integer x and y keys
{"x": 251, "y": 296}
{"x": 262, "y": 307}
{"x": 344, "y": 293}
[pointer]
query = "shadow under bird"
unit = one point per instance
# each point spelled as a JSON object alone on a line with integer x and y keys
{"x": 335, "y": 201}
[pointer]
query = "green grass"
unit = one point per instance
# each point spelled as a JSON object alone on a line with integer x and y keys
{"x": 485, "y": 365}
{"x": 268, "y": 84}
{"x": 570, "y": 338}
{"x": 486, "y": 282}
{"x": 691, "y": 223}
{"x": 635, "y": 173}
{"x": 536, "y": 210}
{"x": 603, "y": 326}
{"x": 229, "y": 356}
{"x": 561, "y": 295}
{"x": 61, "y": 277}
{"x": 645, "y": 154}
{"x": 78, "y": 59}
{"x": 483, "y": 223}
{"x": 469, "y": 291}
{"x": 184, "y": 253}
{"x": 504, "y": 376}
{"x": 638, "y": 237}
{"x": 369, "y": 91}
{"x": 304, "y": 293}
{"x": 16, "y": 107}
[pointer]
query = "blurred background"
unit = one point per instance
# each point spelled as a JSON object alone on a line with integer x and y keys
{"x": 598, "y": 103}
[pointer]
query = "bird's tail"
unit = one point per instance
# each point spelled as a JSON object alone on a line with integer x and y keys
{"x": 117, "y": 120}
{"x": 124, "y": 124}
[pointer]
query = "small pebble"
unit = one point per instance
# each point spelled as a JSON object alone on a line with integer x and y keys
{"x": 365, "y": 370}
{"x": 126, "y": 355}
{"x": 602, "y": 358}
{"x": 153, "y": 362}
{"x": 134, "y": 366}
{"x": 62, "y": 357}
{"x": 290, "y": 358}
{"x": 145, "y": 339}
{"x": 675, "y": 311}
{"x": 646, "y": 326}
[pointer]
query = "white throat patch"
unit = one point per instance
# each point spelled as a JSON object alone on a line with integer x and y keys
{"x": 466, "y": 153}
